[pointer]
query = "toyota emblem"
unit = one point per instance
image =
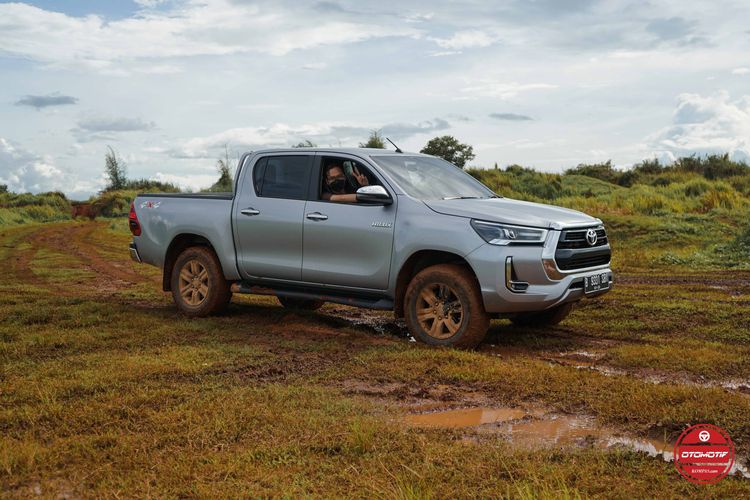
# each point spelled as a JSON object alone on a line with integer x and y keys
{"x": 591, "y": 237}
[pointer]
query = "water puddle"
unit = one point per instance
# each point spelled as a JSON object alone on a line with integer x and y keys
{"x": 534, "y": 429}
{"x": 465, "y": 418}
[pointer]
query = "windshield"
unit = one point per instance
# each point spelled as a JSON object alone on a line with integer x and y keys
{"x": 429, "y": 178}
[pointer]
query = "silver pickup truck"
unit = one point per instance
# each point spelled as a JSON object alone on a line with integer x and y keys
{"x": 415, "y": 235}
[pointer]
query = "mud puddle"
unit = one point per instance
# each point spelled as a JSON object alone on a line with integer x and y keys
{"x": 382, "y": 323}
{"x": 471, "y": 417}
{"x": 534, "y": 429}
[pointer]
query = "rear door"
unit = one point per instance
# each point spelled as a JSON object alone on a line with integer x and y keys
{"x": 347, "y": 244}
{"x": 269, "y": 214}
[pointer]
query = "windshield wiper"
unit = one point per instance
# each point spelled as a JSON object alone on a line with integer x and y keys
{"x": 462, "y": 198}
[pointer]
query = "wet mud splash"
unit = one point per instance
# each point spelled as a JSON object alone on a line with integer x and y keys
{"x": 535, "y": 429}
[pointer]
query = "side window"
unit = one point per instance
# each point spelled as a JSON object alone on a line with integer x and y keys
{"x": 282, "y": 177}
{"x": 350, "y": 169}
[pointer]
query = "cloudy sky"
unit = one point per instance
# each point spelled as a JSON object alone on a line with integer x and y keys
{"x": 543, "y": 83}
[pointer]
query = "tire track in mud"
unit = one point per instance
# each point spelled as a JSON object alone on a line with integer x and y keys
{"x": 74, "y": 240}
{"x": 21, "y": 259}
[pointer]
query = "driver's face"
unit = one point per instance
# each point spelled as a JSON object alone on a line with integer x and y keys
{"x": 335, "y": 174}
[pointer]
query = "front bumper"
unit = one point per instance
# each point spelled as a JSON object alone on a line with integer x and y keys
{"x": 535, "y": 283}
{"x": 134, "y": 253}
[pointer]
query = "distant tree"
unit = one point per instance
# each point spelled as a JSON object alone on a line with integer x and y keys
{"x": 116, "y": 170}
{"x": 448, "y": 148}
{"x": 3, "y": 188}
{"x": 374, "y": 141}
{"x": 225, "y": 166}
{"x": 307, "y": 143}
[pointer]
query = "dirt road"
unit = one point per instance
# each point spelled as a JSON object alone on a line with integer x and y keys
{"x": 104, "y": 385}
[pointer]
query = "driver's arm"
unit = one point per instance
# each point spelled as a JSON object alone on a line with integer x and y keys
{"x": 345, "y": 198}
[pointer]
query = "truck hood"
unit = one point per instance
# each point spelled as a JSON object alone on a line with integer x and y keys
{"x": 509, "y": 211}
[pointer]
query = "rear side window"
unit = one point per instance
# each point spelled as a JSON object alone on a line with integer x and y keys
{"x": 282, "y": 177}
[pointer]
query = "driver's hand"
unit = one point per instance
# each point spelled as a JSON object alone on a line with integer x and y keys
{"x": 361, "y": 178}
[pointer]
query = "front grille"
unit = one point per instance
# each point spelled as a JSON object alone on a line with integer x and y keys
{"x": 575, "y": 252}
{"x": 582, "y": 261}
{"x": 576, "y": 238}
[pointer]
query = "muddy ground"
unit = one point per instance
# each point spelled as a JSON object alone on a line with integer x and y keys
{"x": 106, "y": 388}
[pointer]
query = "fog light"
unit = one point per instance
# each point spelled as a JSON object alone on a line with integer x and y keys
{"x": 511, "y": 281}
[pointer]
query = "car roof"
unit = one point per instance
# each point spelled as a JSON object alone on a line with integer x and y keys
{"x": 353, "y": 151}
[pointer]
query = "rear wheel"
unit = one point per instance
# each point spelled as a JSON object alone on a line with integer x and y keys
{"x": 444, "y": 307}
{"x": 198, "y": 284}
{"x": 550, "y": 317}
{"x": 300, "y": 304}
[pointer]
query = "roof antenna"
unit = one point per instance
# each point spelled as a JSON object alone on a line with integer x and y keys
{"x": 398, "y": 149}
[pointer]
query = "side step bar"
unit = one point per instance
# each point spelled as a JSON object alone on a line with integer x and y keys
{"x": 369, "y": 303}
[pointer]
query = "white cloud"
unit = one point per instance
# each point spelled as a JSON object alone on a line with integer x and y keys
{"x": 703, "y": 125}
{"x": 741, "y": 71}
{"x": 208, "y": 27}
{"x": 284, "y": 135}
{"x": 501, "y": 90}
{"x": 24, "y": 171}
{"x": 315, "y": 66}
{"x": 192, "y": 182}
{"x": 444, "y": 53}
{"x": 149, "y": 4}
{"x": 466, "y": 40}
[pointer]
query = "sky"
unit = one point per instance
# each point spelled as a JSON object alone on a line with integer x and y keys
{"x": 549, "y": 84}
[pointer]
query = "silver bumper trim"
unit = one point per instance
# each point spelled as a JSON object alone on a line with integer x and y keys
{"x": 550, "y": 264}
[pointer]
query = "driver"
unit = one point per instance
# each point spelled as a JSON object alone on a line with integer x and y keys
{"x": 335, "y": 187}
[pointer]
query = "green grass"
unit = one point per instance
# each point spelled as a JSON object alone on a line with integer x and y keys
{"x": 106, "y": 391}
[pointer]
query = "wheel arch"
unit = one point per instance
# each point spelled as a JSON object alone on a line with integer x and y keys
{"x": 417, "y": 261}
{"x": 175, "y": 248}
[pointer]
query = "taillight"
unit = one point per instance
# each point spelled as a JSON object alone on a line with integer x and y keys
{"x": 135, "y": 226}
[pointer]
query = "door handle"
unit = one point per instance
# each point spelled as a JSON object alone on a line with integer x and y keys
{"x": 249, "y": 211}
{"x": 316, "y": 216}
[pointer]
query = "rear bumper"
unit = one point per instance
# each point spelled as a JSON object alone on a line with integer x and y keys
{"x": 134, "y": 253}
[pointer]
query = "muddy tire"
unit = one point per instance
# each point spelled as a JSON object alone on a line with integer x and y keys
{"x": 198, "y": 284}
{"x": 443, "y": 306}
{"x": 550, "y": 317}
{"x": 300, "y": 304}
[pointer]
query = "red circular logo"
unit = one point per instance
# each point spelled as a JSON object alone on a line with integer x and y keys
{"x": 704, "y": 454}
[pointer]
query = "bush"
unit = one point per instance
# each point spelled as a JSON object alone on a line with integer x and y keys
{"x": 719, "y": 198}
{"x": 150, "y": 186}
{"x": 26, "y": 207}
{"x": 114, "y": 203}
{"x": 696, "y": 187}
{"x": 602, "y": 171}
{"x": 712, "y": 166}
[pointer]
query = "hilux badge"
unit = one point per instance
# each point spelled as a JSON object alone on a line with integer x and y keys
{"x": 591, "y": 237}
{"x": 382, "y": 224}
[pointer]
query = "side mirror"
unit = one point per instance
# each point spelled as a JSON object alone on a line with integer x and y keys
{"x": 374, "y": 194}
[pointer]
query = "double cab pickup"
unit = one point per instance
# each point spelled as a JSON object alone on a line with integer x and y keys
{"x": 373, "y": 228}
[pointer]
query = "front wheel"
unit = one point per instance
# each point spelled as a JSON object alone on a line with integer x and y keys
{"x": 444, "y": 307}
{"x": 198, "y": 284}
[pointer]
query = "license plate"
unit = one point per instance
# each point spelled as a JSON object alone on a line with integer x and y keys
{"x": 596, "y": 283}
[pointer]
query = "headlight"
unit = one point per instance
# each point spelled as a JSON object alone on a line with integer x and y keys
{"x": 503, "y": 234}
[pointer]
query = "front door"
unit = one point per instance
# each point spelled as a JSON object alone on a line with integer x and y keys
{"x": 347, "y": 244}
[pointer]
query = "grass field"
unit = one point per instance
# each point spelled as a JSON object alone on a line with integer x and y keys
{"x": 106, "y": 391}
